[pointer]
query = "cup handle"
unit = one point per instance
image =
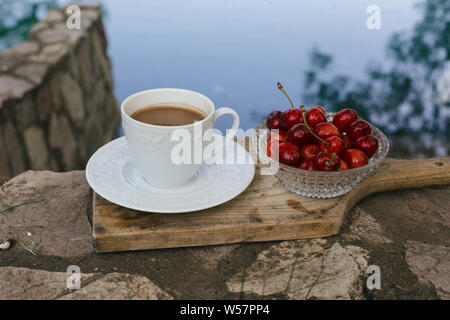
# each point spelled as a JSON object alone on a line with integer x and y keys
{"x": 232, "y": 131}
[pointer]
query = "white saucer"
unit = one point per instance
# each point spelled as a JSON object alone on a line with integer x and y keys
{"x": 114, "y": 176}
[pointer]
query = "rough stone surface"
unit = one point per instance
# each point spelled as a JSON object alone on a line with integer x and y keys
{"x": 305, "y": 270}
{"x": 73, "y": 98}
{"x": 50, "y": 36}
{"x": 52, "y": 208}
{"x": 116, "y": 286}
{"x": 36, "y": 148}
{"x": 90, "y": 5}
{"x": 431, "y": 264}
{"x": 105, "y": 65}
{"x": 364, "y": 226}
{"x": 11, "y": 87}
{"x": 88, "y": 72}
{"x": 14, "y": 149}
{"x": 62, "y": 138}
{"x": 212, "y": 255}
{"x": 32, "y": 71}
{"x": 408, "y": 241}
{"x": 59, "y": 74}
{"x": 43, "y": 102}
{"x": 9, "y": 62}
{"x": 24, "y": 48}
{"x": 28, "y": 284}
{"x": 55, "y": 50}
{"x": 38, "y": 27}
{"x": 25, "y": 115}
{"x": 50, "y": 54}
{"x": 4, "y": 167}
{"x": 24, "y": 284}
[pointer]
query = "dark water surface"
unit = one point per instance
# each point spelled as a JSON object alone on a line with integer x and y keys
{"x": 322, "y": 51}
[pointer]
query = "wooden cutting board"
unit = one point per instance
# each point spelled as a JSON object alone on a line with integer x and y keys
{"x": 264, "y": 212}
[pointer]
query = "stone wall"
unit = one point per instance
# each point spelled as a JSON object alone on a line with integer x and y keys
{"x": 56, "y": 95}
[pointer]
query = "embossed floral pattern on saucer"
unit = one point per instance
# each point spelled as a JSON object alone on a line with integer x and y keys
{"x": 114, "y": 176}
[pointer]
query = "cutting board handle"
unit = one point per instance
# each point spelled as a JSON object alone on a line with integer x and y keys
{"x": 395, "y": 174}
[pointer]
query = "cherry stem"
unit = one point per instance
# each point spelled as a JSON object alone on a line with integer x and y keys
{"x": 328, "y": 163}
{"x": 302, "y": 109}
{"x": 282, "y": 90}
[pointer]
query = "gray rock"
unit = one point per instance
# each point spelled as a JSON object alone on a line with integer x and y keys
{"x": 431, "y": 264}
{"x": 71, "y": 34}
{"x": 74, "y": 66}
{"x": 90, "y": 6}
{"x": 52, "y": 207}
{"x": 44, "y": 102}
{"x": 119, "y": 286}
{"x": 15, "y": 154}
{"x": 61, "y": 137}
{"x": 23, "y": 283}
{"x": 30, "y": 284}
{"x": 210, "y": 256}
{"x": 101, "y": 58}
{"x": 23, "y": 48}
{"x": 93, "y": 15}
{"x": 93, "y": 136}
{"x": 50, "y": 36}
{"x": 10, "y": 61}
{"x": 36, "y": 148}
{"x": 55, "y": 51}
{"x": 305, "y": 269}
{"x": 51, "y": 53}
{"x": 88, "y": 72}
{"x": 4, "y": 168}
{"x": 364, "y": 227}
{"x": 55, "y": 92}
{"x": 24, "y": 113}
{"x": 11, "y": 87}
{"x": 38, "y": 27}
{"x": 73, "y": 98}
{"x": 35, "y": 72}
{"x": 112, "y": 111}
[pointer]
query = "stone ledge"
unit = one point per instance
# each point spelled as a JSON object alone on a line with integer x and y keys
{"x": 25, "y": 284}
{"x": 57, "y": 74}
{"x": 48, "y": 213}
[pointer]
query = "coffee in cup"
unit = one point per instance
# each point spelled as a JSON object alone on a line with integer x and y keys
{"x": 168, "y": 115}
{"x": 149, "y": 120}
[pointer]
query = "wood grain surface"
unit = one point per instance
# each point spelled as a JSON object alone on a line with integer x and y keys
{"x": 266, "y": 211}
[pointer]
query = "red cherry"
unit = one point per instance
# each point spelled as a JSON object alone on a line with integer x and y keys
{"x": 307, "y": 164}
{"x": 289, "y": 118}
{"x": 320, "y": 108}
{"x": 273, "y": 120}
{"x": 358, "y": 129}
{"x": 343, "y": 165}
{"x": 280, "y": 136}
{"x": 344, "y": 118}
{"x": 309, "y": 151}
{"x": 335, "y": 144}
{"x": 299, "y": 135}
{"x": 326, "y": 130}
{"x": 289, "y": 154}
{"x": 367, "y": 144}
{"x": 315, "y": 116}
{"x": 348, "y": 142}
{"x": 355, "y": 158}
{"x": 325, "y": 161}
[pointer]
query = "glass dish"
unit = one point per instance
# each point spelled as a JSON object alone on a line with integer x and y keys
{"x": 319, "y": 184}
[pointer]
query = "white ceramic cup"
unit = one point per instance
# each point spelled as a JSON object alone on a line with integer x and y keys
{"x": 150, "y": 146}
